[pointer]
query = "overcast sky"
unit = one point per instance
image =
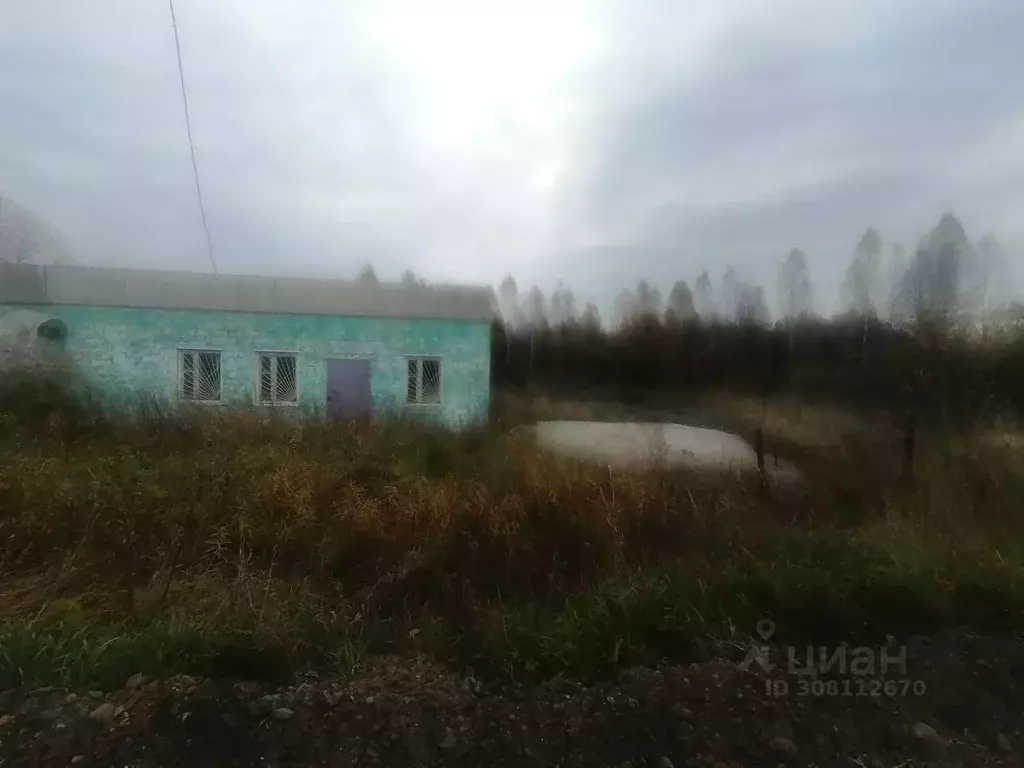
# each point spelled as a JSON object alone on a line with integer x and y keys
{"x": 596, "y": 142}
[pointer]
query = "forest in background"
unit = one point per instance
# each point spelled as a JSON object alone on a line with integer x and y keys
{"x": 931, "y": 335}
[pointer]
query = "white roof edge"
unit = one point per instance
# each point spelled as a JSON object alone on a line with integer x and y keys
{"x": 160, "y": 289}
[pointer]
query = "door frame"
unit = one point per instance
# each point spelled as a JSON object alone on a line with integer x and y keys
{"x": 361, "y": 357}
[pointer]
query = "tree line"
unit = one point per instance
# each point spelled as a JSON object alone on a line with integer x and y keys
{"x": 928, "y": 333}
{"x": 949, "y": 278}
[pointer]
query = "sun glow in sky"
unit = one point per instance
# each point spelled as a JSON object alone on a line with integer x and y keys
{"x": 486, "y": 70}
{"x": 493, "y": 89}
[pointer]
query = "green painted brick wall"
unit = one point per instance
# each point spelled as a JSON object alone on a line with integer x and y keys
{"x": 134, "y": 351}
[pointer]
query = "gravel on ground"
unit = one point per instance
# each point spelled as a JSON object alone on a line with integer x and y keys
{"x": 962, "y": 707}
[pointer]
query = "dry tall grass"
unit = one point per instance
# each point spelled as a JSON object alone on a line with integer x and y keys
{"x": 201, "y": 538}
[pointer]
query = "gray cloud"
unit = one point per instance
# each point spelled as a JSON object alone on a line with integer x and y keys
{"x": 693, "y": 135}
{"x": 792, "y": 135}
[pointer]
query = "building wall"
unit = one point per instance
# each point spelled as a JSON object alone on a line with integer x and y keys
{"x": 21, "y": 344}
{"x": 130, "y": 351}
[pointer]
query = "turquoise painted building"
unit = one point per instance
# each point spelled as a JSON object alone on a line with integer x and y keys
{"x": 348, "y": 348}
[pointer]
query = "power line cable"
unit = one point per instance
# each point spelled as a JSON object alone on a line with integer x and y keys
{"x": 191, "y": 145}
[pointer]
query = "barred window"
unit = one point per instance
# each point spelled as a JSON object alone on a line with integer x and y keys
{"x": 423, "y": 380}
{"x": 277, "y": 379}
{"x": 199, "y": 377}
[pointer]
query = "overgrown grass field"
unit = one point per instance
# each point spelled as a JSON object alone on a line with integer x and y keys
{"x": 255, "y": 546}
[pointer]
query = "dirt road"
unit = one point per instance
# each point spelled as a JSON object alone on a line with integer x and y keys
{"x": 967, "y": 710}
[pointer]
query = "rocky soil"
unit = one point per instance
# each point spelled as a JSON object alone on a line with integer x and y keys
{"x": 400, "y": 712}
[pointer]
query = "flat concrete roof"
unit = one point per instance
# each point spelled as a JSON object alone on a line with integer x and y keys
{"x": 105, "y": 287}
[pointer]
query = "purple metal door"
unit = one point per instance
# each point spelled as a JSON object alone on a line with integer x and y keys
{"x": 348, "y": 389}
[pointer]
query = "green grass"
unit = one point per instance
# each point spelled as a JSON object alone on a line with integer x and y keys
{"x": 230, "y": 544}
{"x": 712, "y": 607}
{"x": 670, "y": 614}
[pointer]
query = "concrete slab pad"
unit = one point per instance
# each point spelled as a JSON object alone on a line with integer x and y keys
{"x": 625, "y": 444}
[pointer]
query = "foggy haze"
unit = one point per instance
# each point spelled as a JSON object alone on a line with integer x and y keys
{"x": 598, "y": 143}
